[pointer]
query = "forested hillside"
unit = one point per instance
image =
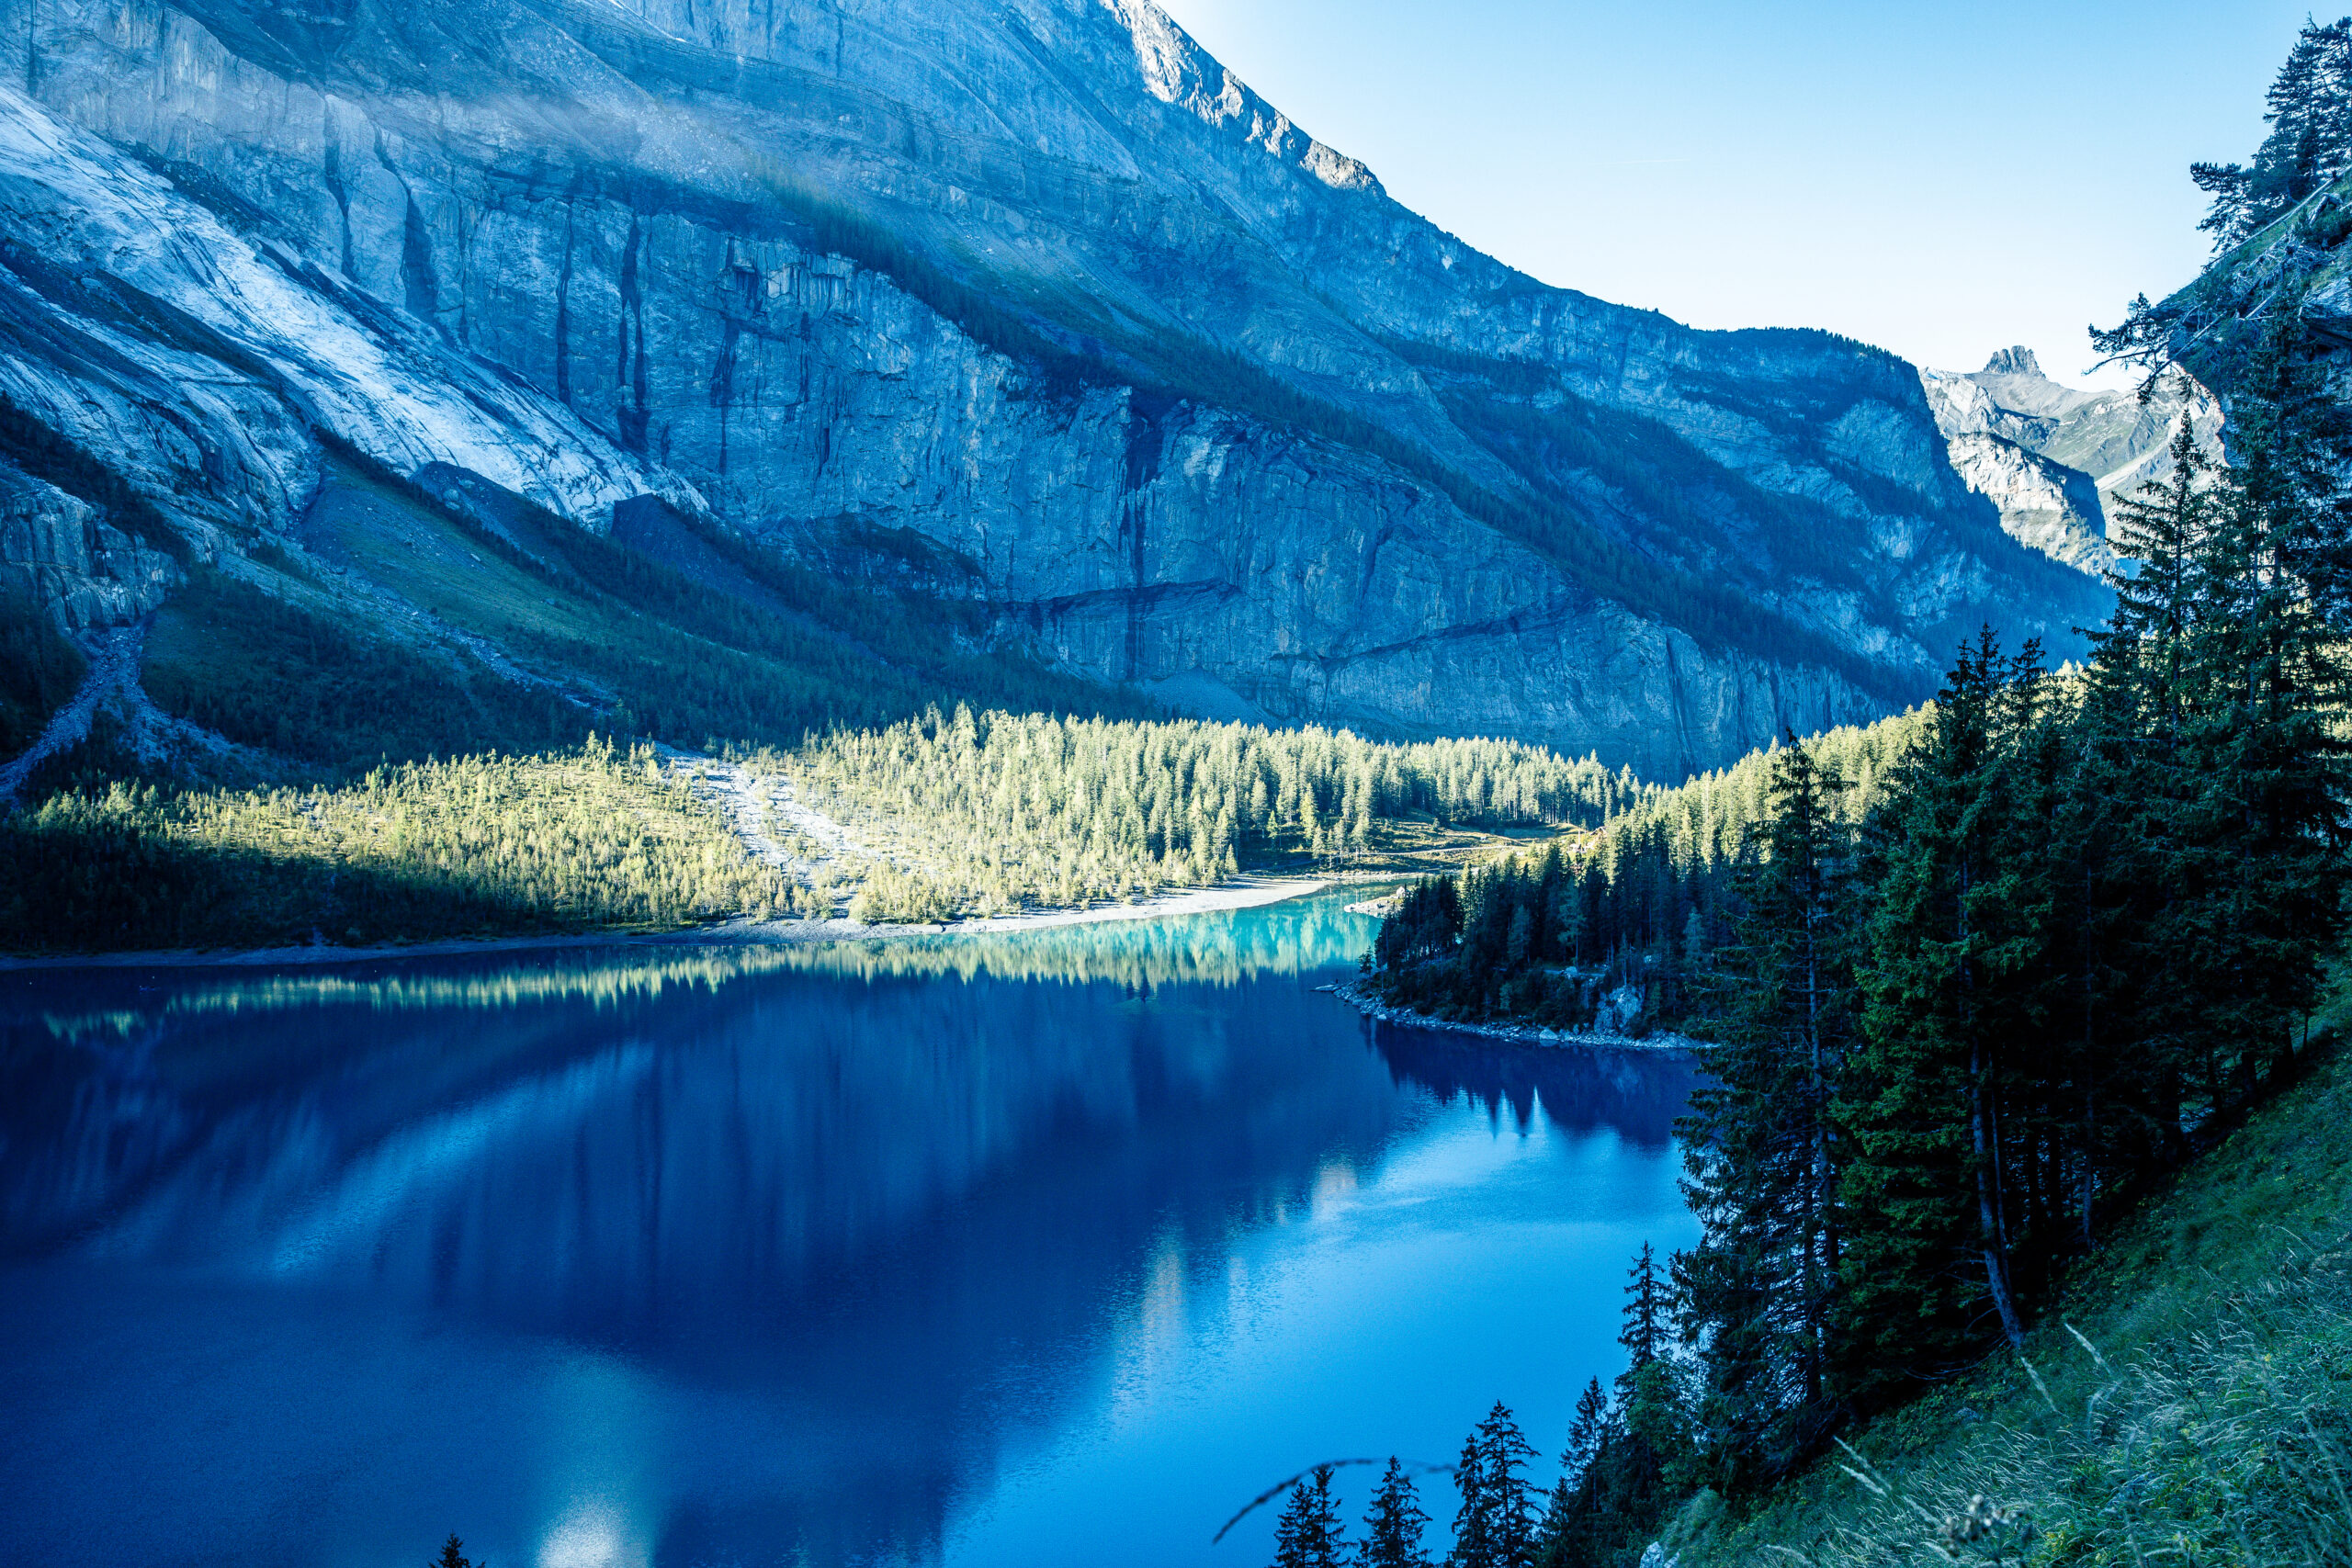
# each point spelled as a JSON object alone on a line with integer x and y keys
{"x": 1985, "y": 976}
{"x": 1623, "y": 919}
{"x": 1978, "y": 983}
{"x": 987, "y": 814}
{"x": 481, "y": 846}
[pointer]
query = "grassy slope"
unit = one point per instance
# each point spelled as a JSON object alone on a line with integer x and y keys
{"x": 2217, "y": 1284}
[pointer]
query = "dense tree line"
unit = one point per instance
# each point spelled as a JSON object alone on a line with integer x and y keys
{"x": 2085, "y": 923}
{"x": 1966, "y": 1004}
{"x": 1617, "y": 928}
{"x": 472, "y": 846}
{"x": 1000, "y": 810}
{"x": 1971, "y": 993}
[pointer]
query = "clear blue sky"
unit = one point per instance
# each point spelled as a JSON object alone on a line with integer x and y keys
{"x": 1940, "y": 179}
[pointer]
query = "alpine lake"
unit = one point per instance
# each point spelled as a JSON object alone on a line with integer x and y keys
{"x": 1049, "y": 1247}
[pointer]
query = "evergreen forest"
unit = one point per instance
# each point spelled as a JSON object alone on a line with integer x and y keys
{"x": 591, "y": 839}
{"x": 995, "y": 812}
{"x": 1978, "y": 980}
{"x": 1620, "y": 920}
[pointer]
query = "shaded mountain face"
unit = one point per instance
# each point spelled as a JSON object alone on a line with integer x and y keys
{"x": 2054, "y": 459}
{"x": 1029, "y": 306}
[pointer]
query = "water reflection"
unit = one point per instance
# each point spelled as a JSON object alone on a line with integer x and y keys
{"x": 754, "y": 1247}
{"x": 1223, "y": 949}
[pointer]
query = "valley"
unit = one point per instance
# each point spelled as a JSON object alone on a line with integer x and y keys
{"x": 874, "y": 784}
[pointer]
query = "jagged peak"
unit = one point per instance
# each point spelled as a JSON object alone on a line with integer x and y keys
{"x": 2015, "y": 360}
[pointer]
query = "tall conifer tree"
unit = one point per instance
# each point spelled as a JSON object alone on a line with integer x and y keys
{"x": 1921, "y": 1102}
{"x": 1394, "y": 1527}
{"x": 1309, "y": 1534}
{"x": 1760, "y": 1148}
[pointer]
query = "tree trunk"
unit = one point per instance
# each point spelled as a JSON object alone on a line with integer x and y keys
{"x": 1988, "y": 1219}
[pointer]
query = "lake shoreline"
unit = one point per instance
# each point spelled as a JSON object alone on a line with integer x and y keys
{"x": 1234, "y": 893}
{"x": 1352, "y": 993}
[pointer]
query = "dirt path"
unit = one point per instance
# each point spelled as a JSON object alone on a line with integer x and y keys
{"x": 751, "y": 801}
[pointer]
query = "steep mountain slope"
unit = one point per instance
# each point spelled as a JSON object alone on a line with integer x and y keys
{"x": 1029, "y": 306}
{"x": 2298, "y": 263}
{"x": 2054, "y": 459}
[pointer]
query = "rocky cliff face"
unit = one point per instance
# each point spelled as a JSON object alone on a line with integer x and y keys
{"x": 68, "y": 558}
{"x": 2053, "y": 460}
{"x": 1030, "y": 303}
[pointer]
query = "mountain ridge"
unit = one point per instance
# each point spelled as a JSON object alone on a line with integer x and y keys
{"x": 1126, "y": 373}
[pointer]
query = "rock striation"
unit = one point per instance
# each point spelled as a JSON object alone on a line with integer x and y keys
{"x": 71, "y": 561}
{"x": 1027, "y": 302}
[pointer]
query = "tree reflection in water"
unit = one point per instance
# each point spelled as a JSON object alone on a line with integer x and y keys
{"x": 858, "y": 1215}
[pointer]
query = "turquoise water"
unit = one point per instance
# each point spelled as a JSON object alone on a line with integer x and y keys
{"x": 1046, "y": 1248}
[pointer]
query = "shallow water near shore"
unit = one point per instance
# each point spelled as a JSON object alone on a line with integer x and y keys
{"x": 1049, "y": 1247}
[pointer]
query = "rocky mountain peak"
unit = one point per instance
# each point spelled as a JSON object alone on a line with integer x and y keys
{"x": 2015, "y": 360}
{"x": 2053, "y": 458}
{"x": 1177, "y": 71}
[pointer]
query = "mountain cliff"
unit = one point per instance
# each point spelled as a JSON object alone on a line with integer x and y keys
{"x": 2054, "y": 459}
{"x": 1030, "y": 310}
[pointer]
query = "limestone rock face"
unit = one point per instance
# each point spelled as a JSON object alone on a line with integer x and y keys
{"x": 84, "y": 570}
{"x": 1026, "y": 300}
{"x": 2055, "y": 509}
{"x": 2054, "y": 459}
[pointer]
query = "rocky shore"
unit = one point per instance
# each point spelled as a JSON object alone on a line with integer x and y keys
{"x": 1354, "y": 994}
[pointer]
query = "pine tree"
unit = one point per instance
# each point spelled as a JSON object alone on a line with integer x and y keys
{"x": 1309, "y": 1534}
{"x": 1474, "y": 1544}
{"x": 1591, "y": 1423}
{"x": 1647, "y": 1307}
{"x": 2137, "y": 712}
{"x": 1569, "y": 1534}
{"x": 1760, "y": 1148}
{"x": 2309, "y": 114}
{"x": 1921, "y": 1099}
{"x": 1503, "y": 1453}
{"x": 1394, "y": 1527}
{"x": 1496, "y": 1525}
{"x": 453, "y": 1555}
{"x": 2265, "y": 818}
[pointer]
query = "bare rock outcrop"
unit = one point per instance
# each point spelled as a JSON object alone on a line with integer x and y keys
{"x": 2054, "y": 459}
{"x": 1030, "y": 303}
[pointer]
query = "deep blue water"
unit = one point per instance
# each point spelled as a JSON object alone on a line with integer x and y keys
{"x": 1044, "y": 1249}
